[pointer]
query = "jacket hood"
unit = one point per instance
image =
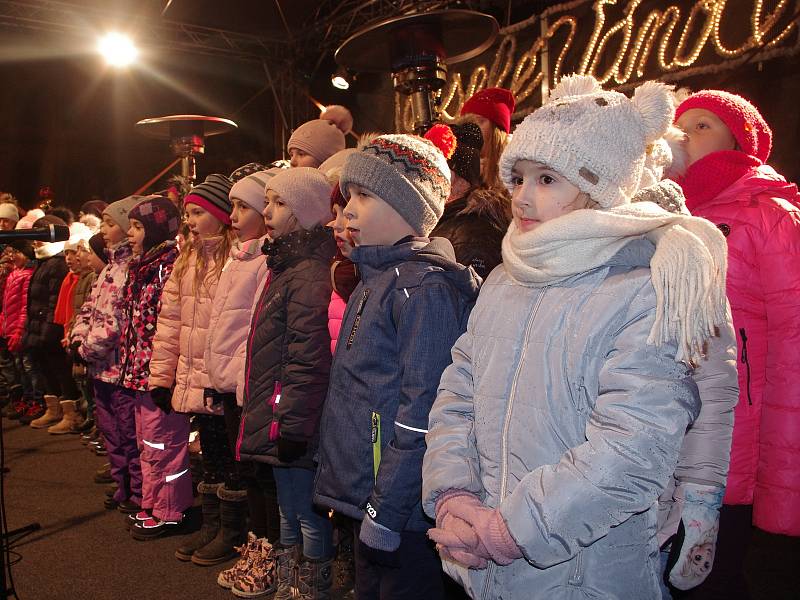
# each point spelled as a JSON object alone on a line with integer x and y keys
{"x": 492, "y": 204}
{"x": 437, "y": 252}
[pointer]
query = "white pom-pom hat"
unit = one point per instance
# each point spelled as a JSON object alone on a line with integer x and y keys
{"x": 597, "y": 139}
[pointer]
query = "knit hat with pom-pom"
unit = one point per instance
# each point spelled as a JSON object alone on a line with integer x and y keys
{"x": 465, "y": 161}
{"x": 742, "y": 119}
{"x": 596, "y": 139}
{"x": 323, "y": 137}
{"x": 407, "y": 172}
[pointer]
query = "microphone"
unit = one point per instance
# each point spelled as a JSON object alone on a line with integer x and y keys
{"x": 50, "y": 233}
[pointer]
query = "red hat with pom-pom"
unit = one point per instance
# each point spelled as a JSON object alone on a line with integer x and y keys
{"x": 407, "y": 172}
{"x": 496, "y": 104}
{"x": 742, "y": 118}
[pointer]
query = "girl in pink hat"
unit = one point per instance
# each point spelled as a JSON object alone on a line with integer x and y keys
{"x": 727, "y": 181}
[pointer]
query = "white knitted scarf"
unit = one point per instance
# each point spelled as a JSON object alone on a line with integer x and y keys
{"x": 688, "y": 267}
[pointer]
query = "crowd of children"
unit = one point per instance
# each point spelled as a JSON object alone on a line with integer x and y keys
{"x": 507, "y": 359}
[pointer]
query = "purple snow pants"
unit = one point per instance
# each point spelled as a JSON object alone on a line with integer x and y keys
{"x": 115, "y": 409}
{"x": 164, "y": 448}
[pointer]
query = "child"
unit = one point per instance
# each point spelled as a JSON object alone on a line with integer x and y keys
{"x": 51, "y": 372}
{"x": 560, "y": 421}
{"x": 74, "y": 291}
{"x": 241, "y": 281}
{"x": 475, "y": 216}
{"x": 161, "y": 437}
{"x": 727, "y": 181}
{"x": 178, "y": 374}
{"x": 315, "y": 141}
{"x": 96, "y": 340}
{"x": 12, "y": 322}
{"x": 286, "y": 377}
{"x": 491, "y": 110}
{"x": 401, "y": 321}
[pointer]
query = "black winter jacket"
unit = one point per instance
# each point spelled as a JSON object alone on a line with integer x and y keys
{"x": 288, "y": 357}
{"x": 475, "y": 226}
{"x": 40, "y": 330}
{"x": 411, "y": 306}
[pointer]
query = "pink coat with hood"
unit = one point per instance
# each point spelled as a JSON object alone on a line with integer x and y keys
{"x": 239, "y": 285}
{"x": 183, "y": 323}
{"x": 757, "y": 210}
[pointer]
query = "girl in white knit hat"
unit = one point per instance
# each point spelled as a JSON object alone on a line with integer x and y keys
{"x": 560, "y": 421}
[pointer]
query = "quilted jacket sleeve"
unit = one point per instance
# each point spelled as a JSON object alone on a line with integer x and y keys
{"x": 16, "y": 330}
{"x": 451, "y": 460}
{"x": 428, "y": 326}
{"x": 776, "y": 502}
{"x": 645, "y": 401}
{"x": 80, "y": 327}
{"x": 102, "y": 338}
{"x": 705, "y": 454}
{"x": 308, "y": 357}
{"x": 166, "y": 343}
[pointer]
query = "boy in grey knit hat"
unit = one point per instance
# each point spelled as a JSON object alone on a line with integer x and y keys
{"x": 400, "y": 323}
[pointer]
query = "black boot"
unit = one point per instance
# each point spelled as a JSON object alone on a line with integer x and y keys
{"x": 210, "y": 527}
{"x": 232, "y": 532}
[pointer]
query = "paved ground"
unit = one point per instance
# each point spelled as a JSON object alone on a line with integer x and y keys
{"x": 84, "y": 552}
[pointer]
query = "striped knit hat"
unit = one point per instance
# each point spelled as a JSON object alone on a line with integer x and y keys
{"x": 251, "y": 189}
{"x": 407, "y": 172}
{"x": 212, "y": 195}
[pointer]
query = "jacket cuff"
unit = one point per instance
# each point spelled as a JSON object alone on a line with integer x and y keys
{"x": 504, "y": 548}
{"x": 378, "y": 537}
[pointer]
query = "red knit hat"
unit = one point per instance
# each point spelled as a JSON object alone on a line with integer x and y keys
{"x": 496, "y": 104}
{"x": 742, "y": 118}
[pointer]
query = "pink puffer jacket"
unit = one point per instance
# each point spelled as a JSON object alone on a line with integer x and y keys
{"x": 15, "y": 301}
{"x": 335, "y": 316}
{"x": 759, "y": 215}
{"x": 240, "y": 284}
{"x": 180, "y": 341}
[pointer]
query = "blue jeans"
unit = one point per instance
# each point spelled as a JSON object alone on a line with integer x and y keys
{"x": 300, "y": 522}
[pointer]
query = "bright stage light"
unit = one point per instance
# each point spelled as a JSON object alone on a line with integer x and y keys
{"x": 117, "y": 49}
{"x": 340, "y": 82}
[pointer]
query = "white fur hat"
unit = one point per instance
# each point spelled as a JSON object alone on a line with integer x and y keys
{"x": 596, "y": 139}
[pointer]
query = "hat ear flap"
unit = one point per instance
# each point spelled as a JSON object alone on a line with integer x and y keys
{"x": 653, "y": 100}
{"x": 575, "y": 85}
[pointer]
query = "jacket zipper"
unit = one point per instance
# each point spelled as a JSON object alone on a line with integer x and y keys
{"x": 190, "y": 355}
{"x": 507, "y": 422}
{"x": 746, "y": 361}
{"x": 357, "y": 319}
{"x": 247, "y": 365}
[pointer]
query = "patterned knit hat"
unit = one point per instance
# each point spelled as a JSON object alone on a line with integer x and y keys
{"x": 160, "y": 218}
{"x": 307, "y": 192}
{"x": 742, "y": 118}
{"x": 596, "y": 139}
{"x": 98, "y": 245}
{"x": 250, "y": 189}
{"x": 212, "y": 195}
{"x": 407, "y": 172}
{"x": 246, "y": 170}
{"x": 118, "y": 211}
{"x": 496, "y": 104}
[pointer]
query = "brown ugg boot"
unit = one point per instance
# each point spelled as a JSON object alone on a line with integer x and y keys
{"x": 51, "y": 416}
{"x": 71, "y": 420}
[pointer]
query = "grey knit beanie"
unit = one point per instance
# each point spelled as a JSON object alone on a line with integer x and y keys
{"x": 251, "y": 188}
{"x": 307, "y": 192}
{"x": 407, "y": 172}
{"x": 118, "y": 211}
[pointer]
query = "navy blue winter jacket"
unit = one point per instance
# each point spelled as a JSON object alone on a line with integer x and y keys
{"x": 401, "y": 321}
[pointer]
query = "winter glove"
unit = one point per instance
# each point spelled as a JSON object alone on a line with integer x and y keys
{"x": 291, "y": 450}
{"x": 162, "y": 398}
{"x": 455, "y": 539}
{"x": 496, "y": 542}
{"x": 75, "y": 354}
{"x": 700, "y": 525}
{"x": 379, "y": 544}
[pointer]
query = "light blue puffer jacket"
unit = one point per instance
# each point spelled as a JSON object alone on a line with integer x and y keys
{"x": 556, "y": 410}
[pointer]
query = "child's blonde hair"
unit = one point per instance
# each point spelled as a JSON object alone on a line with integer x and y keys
{"x": 201, "y": 273}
